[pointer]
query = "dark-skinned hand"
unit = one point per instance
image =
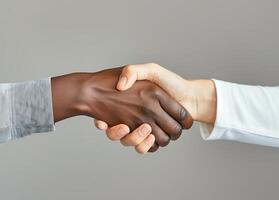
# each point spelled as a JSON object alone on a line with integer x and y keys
{"x": 95, "y": 95}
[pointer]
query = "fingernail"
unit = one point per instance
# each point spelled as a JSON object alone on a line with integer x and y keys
{"x": 122, "y": 131}
{"x": 149, "y": 139}
{"x": 144, "y": 130}
{"x": 122, "y": 82}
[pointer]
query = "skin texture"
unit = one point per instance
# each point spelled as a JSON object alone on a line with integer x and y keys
{"x": 197, "y": 96}
{"x": 95, "y": 95}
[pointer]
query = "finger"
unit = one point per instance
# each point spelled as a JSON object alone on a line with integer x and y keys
{"x": 153, "y": 148}
{"x": 117, "y": 132}
{"x": 101, "y": 125}
{"x": 146, "y": 144}
{"x": 170, "y": 126}
{"x": 161, "y": 138}
{"x": 176, "y": 110}
{"x": 131, "y": 73}
{"x": 137, "y": 136}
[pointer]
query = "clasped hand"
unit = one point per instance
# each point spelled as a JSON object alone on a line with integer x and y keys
{"x": 141, "y": 105}
{"x": 142, "y": 109}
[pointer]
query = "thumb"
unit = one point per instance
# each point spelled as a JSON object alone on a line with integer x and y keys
{"x": 127, "y": 78}
{"x": 131, "y": 73}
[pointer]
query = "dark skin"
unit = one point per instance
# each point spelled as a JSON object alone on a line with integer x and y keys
{"x": 95, "y": 95}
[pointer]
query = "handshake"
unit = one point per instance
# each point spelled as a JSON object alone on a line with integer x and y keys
{"x": 144, "y": 106}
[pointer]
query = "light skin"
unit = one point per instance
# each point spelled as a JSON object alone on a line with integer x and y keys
{"x": 197, "y": 96}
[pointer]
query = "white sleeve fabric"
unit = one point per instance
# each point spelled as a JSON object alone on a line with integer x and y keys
{"x": 25, "y": 108}
{"x": 245, "y": 113}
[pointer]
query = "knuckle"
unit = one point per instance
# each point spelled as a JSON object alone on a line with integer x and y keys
{"x": 150, "y": 91}
{"x": 130, "y": 142}
{"x": 155, "y": 66}
{"x": 133, "y": 140}
{"x": 139, "y": 120}
{"x": 154, "y": 93}
{"x": 147, "y": 110}
{"x": 155, "y": 89}
{"x": 128, "y": 69}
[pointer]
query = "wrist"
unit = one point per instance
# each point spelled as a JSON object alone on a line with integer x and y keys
{"x": 67, "y": 95}
{"x": 202, "y": 100}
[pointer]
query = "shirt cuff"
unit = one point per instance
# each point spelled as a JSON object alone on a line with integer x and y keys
{"x": 27, "y": 109}
{"x": 216, "y": 131}
{"x": 245, "y": 114}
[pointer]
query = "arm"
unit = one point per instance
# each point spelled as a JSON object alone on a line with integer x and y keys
{"x": 225, "y": 110}
{"x": 245, "y": 113}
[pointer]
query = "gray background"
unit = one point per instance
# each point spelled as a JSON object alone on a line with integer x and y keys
{"x": 231, "y": 40}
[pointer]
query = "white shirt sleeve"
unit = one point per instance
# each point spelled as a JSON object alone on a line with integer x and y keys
{"x": 245, "y": 113}
{"x": 25, "y": 108}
